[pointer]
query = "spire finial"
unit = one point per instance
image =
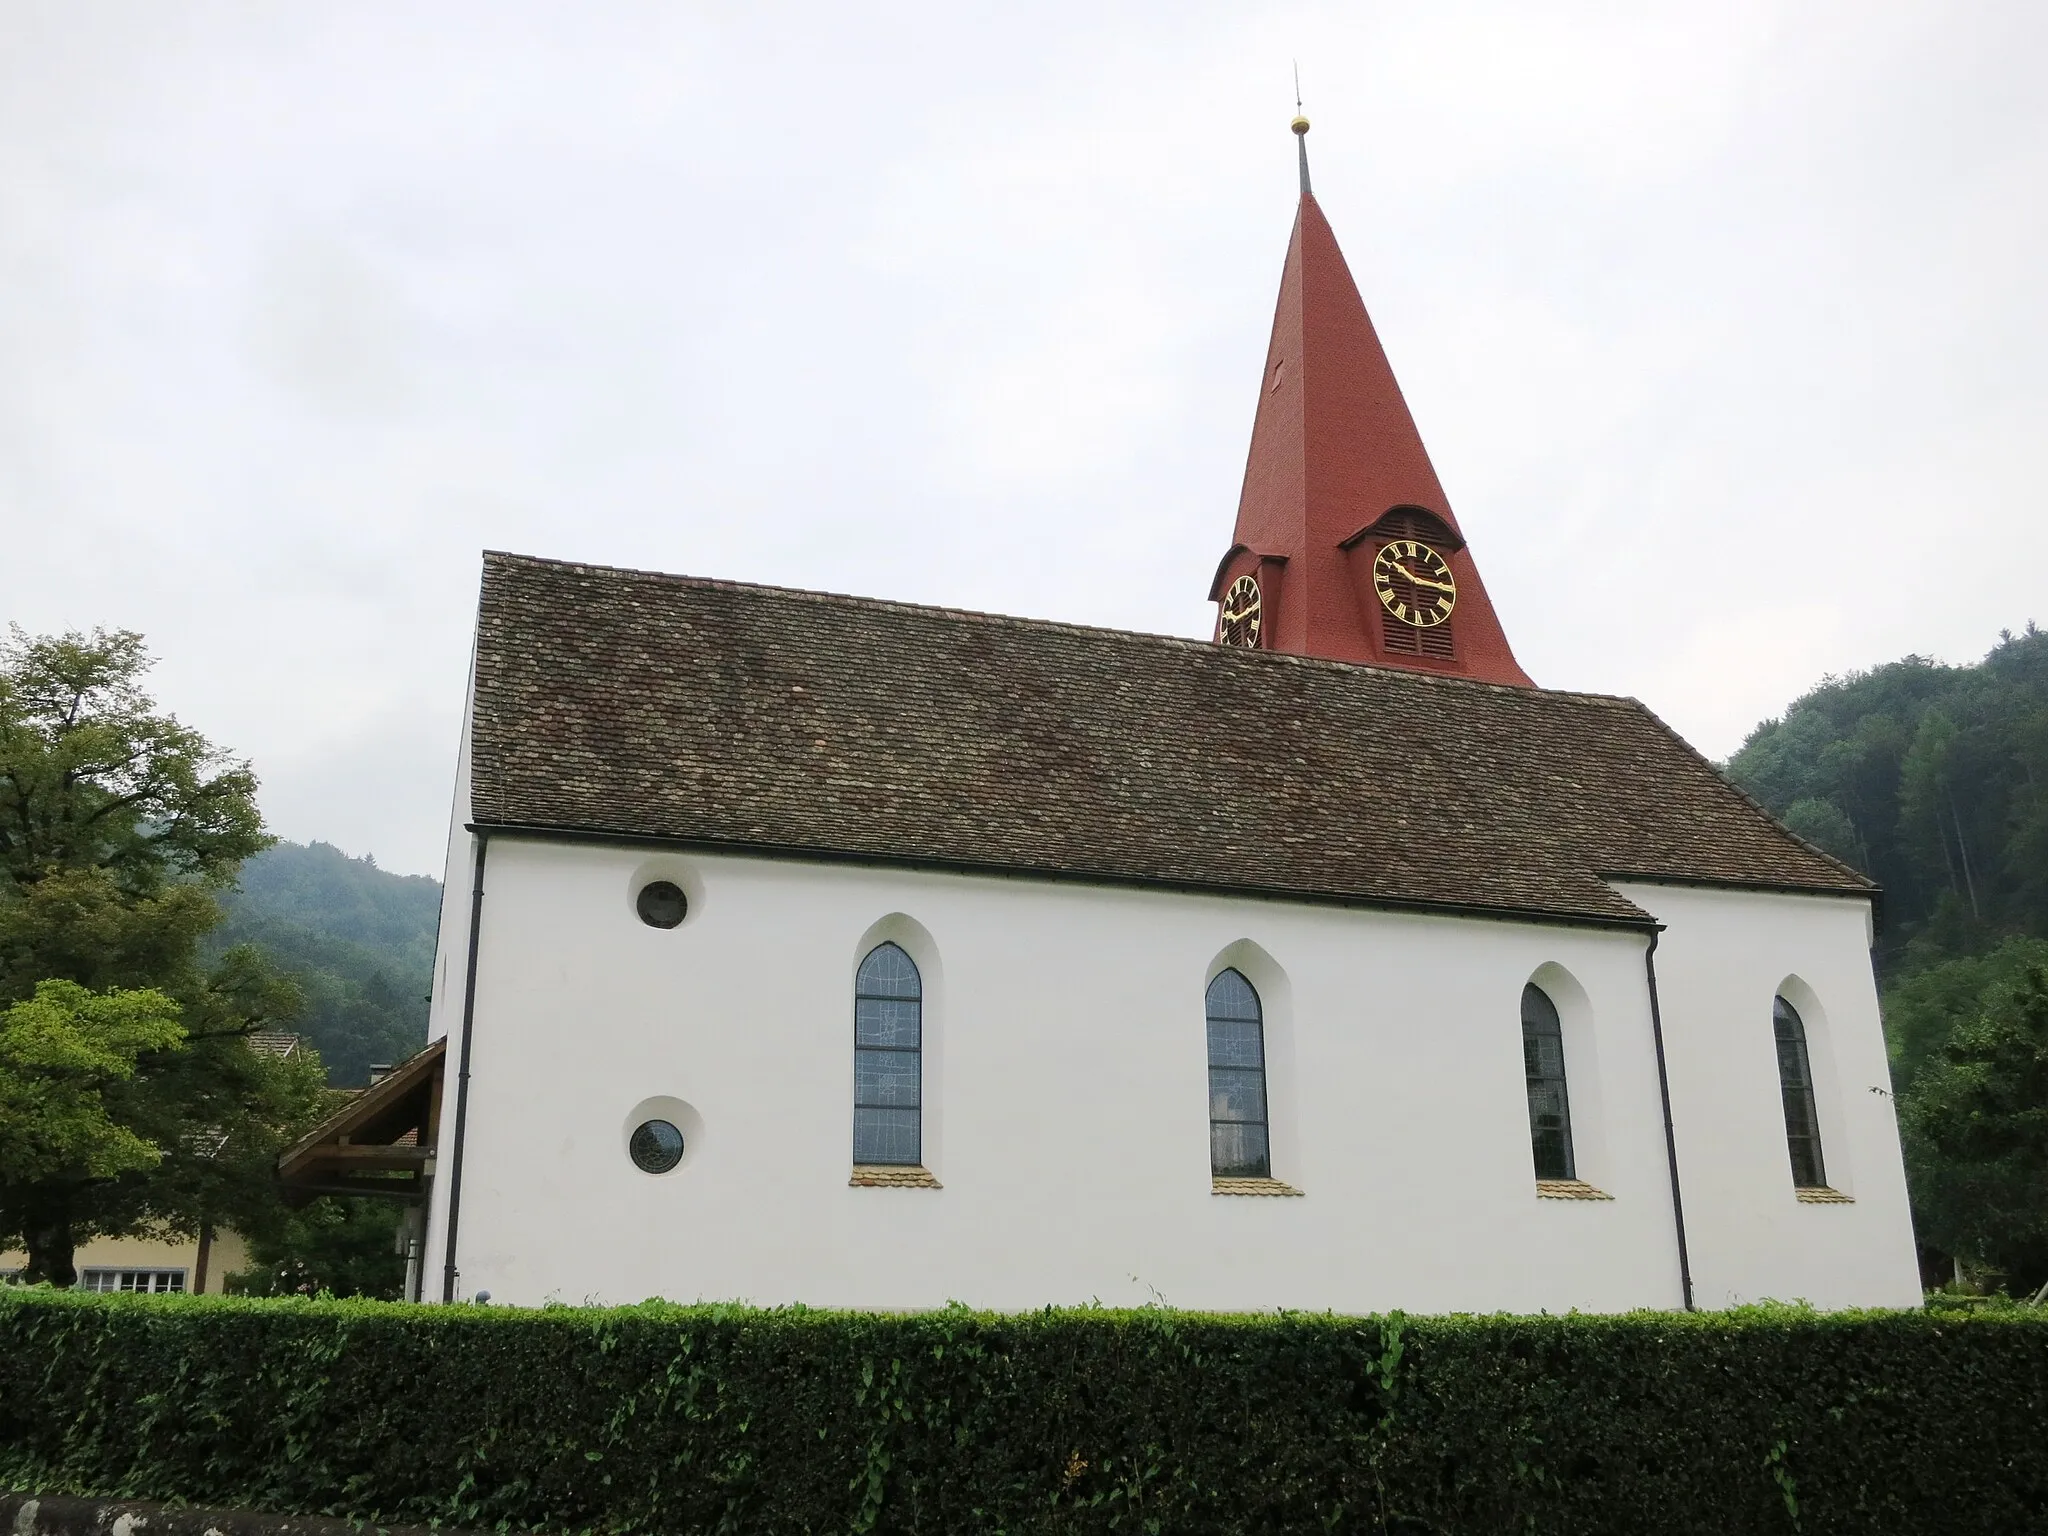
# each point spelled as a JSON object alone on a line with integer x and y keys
{"x": 1300, "y": 127}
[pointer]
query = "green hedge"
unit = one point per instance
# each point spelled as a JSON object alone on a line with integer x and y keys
{"x": 675, "y": 1419}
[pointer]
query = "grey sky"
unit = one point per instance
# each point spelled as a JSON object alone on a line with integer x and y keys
{"x": 1724, "y": 324}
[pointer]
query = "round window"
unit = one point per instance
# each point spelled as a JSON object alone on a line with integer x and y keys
{"x": 662, "y": 904}
{"x": 657, "y": 1146}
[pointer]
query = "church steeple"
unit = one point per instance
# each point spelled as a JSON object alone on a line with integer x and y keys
{"x": 1346, "y": 545}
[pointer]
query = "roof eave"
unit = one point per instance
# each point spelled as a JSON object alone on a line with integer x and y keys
{"x": 1642, "y": 922}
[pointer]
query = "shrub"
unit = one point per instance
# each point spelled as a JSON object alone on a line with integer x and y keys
{"x": 683, "y": 1419}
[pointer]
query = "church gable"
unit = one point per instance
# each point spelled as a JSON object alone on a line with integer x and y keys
{"x": 627, "y": 704}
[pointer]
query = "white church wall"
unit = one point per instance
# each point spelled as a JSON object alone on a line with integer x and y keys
{"x": 444, "y": 1005}
{"x": 1066, "y": 1094}
{"x": 451, "y": 948}
{"x": 1723, "y": 958}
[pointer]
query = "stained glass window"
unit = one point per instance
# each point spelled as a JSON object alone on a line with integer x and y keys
{"x": 1795, "y": 1083}
{"x": 1550, "y": 1111}
{"x": 1238, "y": 1146}
{"x": 888, "y": 1058}
{"x": 656, "y": 1146}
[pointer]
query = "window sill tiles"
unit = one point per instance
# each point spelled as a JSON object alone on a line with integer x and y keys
{"x": 891, "y": 1176}
{"x": 1251, "y": 1187}
{"x": 1820, "y": 1194}
{"x": 1569, "y": 1189}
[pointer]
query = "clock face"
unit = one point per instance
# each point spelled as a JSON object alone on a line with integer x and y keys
{"x": 1237, "y": 620}
{"x": 1414, "y": 583}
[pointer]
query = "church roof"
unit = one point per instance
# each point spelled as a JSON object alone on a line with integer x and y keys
{"x": 758, "y": 719}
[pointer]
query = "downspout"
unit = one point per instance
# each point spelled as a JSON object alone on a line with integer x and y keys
{"x": 1670, "y": 1135}
{"x": 476, "y": 914}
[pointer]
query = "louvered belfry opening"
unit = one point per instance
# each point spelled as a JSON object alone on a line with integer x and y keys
{"x": 1403, "y": 639}
{"x": 1407, "y": 640}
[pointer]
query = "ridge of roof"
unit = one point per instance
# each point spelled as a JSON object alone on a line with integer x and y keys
{"x": 1189, "y": 643}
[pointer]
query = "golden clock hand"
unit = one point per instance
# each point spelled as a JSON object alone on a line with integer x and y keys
{"x": 1424, "y": 581}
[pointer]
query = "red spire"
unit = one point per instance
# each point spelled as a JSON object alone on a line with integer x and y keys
{"x": 1337, "y": 473}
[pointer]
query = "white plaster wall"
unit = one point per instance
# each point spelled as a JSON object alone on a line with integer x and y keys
{"x": 451, "y": 947}
{"x": 1723, "y": 958}
{"x": 1065, "y": 1083}
{"x": 444, "y": 1008}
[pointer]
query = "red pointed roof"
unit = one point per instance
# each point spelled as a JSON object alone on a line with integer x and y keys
{"x": 1337, "y": 470}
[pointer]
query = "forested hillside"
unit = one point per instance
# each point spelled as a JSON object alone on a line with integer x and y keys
{"x": 1934, "y": 780}
{"x": 358, "y": 940}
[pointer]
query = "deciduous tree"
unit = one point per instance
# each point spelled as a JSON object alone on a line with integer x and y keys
{"x": 1976, "y": 1123}
{"x": 60, "y": 1054}
{"x": 117, "y": 825}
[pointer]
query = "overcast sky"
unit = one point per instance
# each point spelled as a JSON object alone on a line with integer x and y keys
{"x": 1725, "y": 324}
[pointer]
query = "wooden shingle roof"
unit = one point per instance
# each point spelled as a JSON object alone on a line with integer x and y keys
{"x": 629, "y": 704}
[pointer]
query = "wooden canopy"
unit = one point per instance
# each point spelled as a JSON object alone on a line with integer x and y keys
{"x": 380, "y": 1142}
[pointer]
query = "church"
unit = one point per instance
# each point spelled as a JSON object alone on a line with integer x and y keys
{"x": 809, "y": 948}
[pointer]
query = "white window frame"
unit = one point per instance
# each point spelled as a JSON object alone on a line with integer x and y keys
{"x": 152, "y": 1281}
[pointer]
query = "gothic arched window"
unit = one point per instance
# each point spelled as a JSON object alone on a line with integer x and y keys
{"x": 1795, "y": 1083}
{"x": 1550, "y": 1110}
{"x": 1237, "y": 1081}
{"x": 888, "y": 1058}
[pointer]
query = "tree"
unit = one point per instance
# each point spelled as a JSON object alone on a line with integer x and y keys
{"x": 1976, "y": 1125}
{"x": 1933, "y": 780}
{"x": 358, "y": 940}
{"x": 1924, "y": 1008}
{"x": 347, "y": 1246}
{"x": 1824, "y": 824}
{"x": 59, "y": 1054}
{"x": 91, "y": 777}
{"x": 117, "y": 826}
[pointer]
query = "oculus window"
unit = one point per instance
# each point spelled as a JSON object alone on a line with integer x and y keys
{"x": 888, "y": 1059}
{"x": 656, "y": 1146}
{"x": 1237, "y": 1081}
{"x": 1795, "y": 1083}
{"x": 662, "y": 904}
{"x": 1550, "y": 1111}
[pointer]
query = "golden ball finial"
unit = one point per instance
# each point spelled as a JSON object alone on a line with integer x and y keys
{"x": 1299, "y": 125}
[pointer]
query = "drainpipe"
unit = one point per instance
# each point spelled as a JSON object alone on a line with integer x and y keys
{"x": 476, "y": 917}
{"x": 1670, "y": 1135}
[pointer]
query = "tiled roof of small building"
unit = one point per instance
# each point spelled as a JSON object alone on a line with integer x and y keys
{"x": 632, "y": 704}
